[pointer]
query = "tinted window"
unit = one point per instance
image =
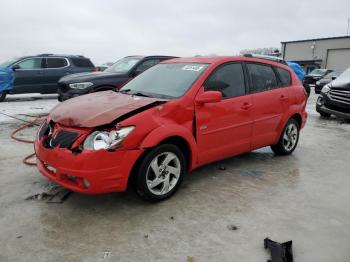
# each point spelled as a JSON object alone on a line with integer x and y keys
{"x": 33, "y": 63}
{"x": 165, "y": 80}
{"x": 284, "y": 76}
{"x": 147, "y": 64}
{"x": 56, "y": 62}
{"x": 229, "y": 79}
{"x": 262, "y": 76}
{"x": 82, "y": 62}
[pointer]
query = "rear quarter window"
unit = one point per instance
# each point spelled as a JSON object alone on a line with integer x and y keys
{"x": 284, "y": 76}
{"x": 82, "y": 62}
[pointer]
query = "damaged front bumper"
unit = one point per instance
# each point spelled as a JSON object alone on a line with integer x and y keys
{"x": 89, "y": 172}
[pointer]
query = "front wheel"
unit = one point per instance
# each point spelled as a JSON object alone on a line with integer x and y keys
{"x": 2, "y": 96}
{"x": 288, "y": 140}
{"x": 161, "y": 172}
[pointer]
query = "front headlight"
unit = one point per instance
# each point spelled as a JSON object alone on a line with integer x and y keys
{"x": 325, "y": 89}
{"x": 318, "y": 83}
{"x": 80, "y": 85}
{"x": 107, "y": 140}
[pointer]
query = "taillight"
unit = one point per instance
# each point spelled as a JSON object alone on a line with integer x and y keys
{"x": 94, "y": 69}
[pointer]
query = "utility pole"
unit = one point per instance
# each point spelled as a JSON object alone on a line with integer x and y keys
{"x": 347, "y": 31}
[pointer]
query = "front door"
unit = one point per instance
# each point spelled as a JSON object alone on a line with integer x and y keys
{"x": 29, "y": 76}
{"x": 224, "y": 129}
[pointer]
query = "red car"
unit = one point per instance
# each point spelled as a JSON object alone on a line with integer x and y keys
{"x": 169, "y": 120}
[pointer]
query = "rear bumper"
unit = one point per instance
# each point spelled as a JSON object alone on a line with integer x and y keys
{"x": 89, "y": 172}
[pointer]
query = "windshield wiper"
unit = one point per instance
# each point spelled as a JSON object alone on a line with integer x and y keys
{"x": 140, "y": 94}
{"x": 125, "y": 91}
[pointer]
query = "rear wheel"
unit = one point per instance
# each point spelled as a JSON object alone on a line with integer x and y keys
{"x": 2, "y": 96}
{"x": 288, "y": 140}
{"x": 161, "y": 172}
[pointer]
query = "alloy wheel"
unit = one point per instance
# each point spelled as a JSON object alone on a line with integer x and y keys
{"x": 163, "y": 173}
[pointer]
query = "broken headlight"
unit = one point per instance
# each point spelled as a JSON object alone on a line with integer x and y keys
{"x": 107, "y": 140}
{"x": 80, "y": 85}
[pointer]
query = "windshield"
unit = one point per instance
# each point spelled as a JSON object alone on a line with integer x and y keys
{"x": 7, "y": 63}
{"x": 123, "y": 65}
{"x": 333, "y": 74}
{"x": 318, "y": 72}
{"x": 345, "y": 74}
{"x": 165, "y": 80}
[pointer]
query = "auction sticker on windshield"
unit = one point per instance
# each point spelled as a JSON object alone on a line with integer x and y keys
{"x": 195, "y": 68}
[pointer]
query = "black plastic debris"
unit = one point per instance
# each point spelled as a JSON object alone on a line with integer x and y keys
{"x": 232, "y": 227}
{"x": 55, "y": 195}
{"x": 280, "y": 252}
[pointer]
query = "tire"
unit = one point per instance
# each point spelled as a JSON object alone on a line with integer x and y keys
{"x": 157, "y": 180}
{"x": 288, "y": 140}
{"x": 324, "y": 114}
{"x": 2, "y": 96}
{"x": 307, "y": 89}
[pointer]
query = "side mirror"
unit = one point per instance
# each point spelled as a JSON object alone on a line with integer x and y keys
{"x": 208, "y": 97}
{"x": 334, "y": 77}
{"x": 15, "y": 67}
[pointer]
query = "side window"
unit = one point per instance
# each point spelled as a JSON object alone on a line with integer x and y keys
{"x": 262, "y": 77}
{"x": 229, "y": 79}
{"x": 147, "y": 64}
{"x": 56, "y": 62}
{"x": 284, "y": 76}
{"x": 82, "y": 62}
{"x": 32, "y": 63}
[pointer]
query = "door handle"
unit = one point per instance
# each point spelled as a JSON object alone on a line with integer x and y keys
{"x": 246, "y": 106}
{"x": 284, "y": 98}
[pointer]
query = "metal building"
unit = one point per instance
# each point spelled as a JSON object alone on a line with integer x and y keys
{"x": 331, "y": 52}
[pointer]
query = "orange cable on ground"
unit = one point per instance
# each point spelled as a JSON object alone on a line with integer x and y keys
{"x": 30, "y": 124}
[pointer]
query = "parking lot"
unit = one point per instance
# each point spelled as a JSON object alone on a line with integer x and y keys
{"x": 222, "y": 213}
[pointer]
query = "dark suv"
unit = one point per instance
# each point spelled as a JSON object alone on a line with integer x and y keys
{"x": 40, "y": 73}
{"x": 335, "y": 97}
{"x": 310, "y": 79}
{"x": 113, "y": 78}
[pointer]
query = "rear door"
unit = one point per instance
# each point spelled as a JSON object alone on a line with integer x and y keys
{"x": 56, "y": 67}
{"x": 29, "y": 76}
{"x": 269, "y": 101}
{"x": 224, "y": 129}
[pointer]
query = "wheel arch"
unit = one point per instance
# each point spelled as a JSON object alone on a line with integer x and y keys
{"x": 171, "y": 134}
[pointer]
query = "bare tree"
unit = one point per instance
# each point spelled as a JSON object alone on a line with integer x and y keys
{"x": 261, "y": 51}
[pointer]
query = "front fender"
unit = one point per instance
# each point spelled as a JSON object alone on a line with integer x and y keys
{"x": 161, "y": 133}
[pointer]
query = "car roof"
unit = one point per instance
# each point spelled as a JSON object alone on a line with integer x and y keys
{"x": 54, "y": 55}
{"x": 223, "y": 59}
{"x": 152, "y": 56}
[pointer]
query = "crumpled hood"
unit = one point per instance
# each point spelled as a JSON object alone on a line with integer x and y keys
{"x": 90, "y": 76}
{"x": 7, "y": 79}
{"x": 98, "y": 109}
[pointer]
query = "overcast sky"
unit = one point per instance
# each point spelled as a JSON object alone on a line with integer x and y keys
{"x": 106, "y": 30}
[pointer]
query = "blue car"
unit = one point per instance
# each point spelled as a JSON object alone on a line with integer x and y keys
{"x": 40, "y": 73}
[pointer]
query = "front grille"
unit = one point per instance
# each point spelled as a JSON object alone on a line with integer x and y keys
{"x": 63, "y": 87}
{"x": 63, "y": 139}
{"x": 341, "y": 96}
{"x": 55, "y": 136}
